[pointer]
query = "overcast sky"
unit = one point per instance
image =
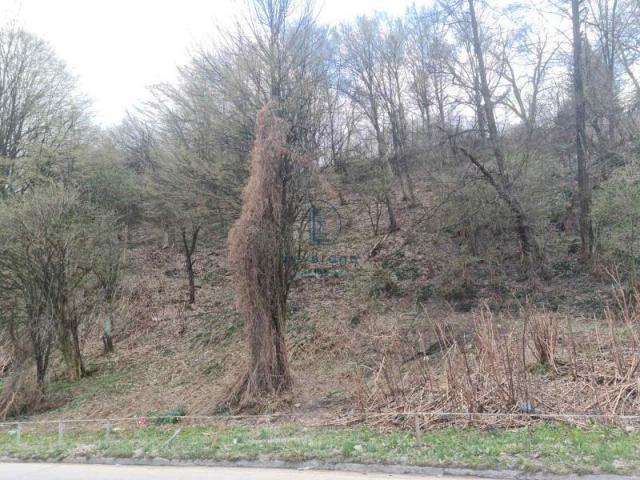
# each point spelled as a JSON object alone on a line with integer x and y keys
{"x": 117, "y": 48}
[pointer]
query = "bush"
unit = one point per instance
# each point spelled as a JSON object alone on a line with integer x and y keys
{"x": 170, "y": 417}
{"x": 616, "y": 215}
{"x": 19, "y": 394}
{"x": 111, "y": 186}
{"x": 383, "y": 284}
{"x": 50, "y": 243}
{"x": 424, "y": 294}
{"x": 456, "y": 285}
{"x": 402, "y": 269}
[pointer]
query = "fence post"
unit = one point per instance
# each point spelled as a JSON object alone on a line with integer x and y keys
{"x": 60, "y": 433}
{"x": 418, "y": 432}
{"x": 18, "y": 434}
{"x": 107, "y": 432}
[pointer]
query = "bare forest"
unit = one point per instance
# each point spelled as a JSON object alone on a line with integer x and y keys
{"x": 432, "y": 212}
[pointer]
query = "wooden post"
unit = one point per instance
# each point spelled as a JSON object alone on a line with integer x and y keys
{"x": 60, "y": 433}
{"x": 107, "y": 432}
{"x": 418, "y": 432}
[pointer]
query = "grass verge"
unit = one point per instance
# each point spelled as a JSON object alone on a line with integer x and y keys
{"x": 546, "y": 447}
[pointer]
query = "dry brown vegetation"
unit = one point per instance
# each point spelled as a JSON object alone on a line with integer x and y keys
{"x": 497, "y": 367}
{"x": 257, "y": 245}
{"x": 449, "y": 141}
{"x": 355, "y": 356}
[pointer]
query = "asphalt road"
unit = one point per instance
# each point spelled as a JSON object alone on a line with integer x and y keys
{"x": 57, "y": 471}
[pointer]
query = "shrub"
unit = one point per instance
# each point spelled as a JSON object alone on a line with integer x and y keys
{"x": 424, "y": 294}
{"x": 110, "y": 186}
{"x": 402, "y": 269}
{"x": 170, "y": 416}
{"x": 383, "y": 284}
{"x": 50, "y": 241}
{"x": 543, "y": 335}
{"x": 19, "y": 394}
{"x": 616, "y": 215}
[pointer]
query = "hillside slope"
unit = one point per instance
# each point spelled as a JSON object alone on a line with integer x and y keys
{"x": 359, "y": 338}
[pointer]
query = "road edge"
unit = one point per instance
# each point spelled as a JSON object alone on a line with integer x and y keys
{"x": 364, "y": 468}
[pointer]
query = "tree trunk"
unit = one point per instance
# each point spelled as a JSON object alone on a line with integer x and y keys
{"x": 480, "y": 115}
{"x": 41, "y": 371}
{"x": 411, "y": 188}
{"x": 384, "y": 163}
{"x": 107, "y": 340}
{"x": 584, "y": 193}
{"x": 189, "y": 249}
{"x": 257, "y": 243}
{"x": 70, "y": 347}
{"x": 501, "y": 181}
{"x": 393, "y": 224}
{"x": 269, "y": 366}
{"x": 192, "y": 282}
{"x": 523, "y": 228}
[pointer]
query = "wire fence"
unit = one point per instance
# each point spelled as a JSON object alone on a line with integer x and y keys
{"x": 203, "y": 420}
{"x": 417, "y": 421}
{"x": 408, "y": 439}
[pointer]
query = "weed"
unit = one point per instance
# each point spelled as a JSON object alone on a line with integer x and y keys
{"x": 424, "y": 294}
{"x": 399, "y": 266}
{"x": 383, "y": 284}
{"x": 171, "y": 416}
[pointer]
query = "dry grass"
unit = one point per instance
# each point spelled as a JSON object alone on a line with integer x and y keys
{"x": 536, "y": 364}
{"x": 541, "y": 331}
{"x": 352, "y": 356}
{"x": 20, "y": 393}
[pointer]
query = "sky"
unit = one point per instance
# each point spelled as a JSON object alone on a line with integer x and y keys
{"x": 117, "y": 48}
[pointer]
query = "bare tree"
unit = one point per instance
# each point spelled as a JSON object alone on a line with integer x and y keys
{"x": 189, "y": 246}
{"x": 341, "y": 117}
{"x": 629, "y": 43}
{"x": 285, "y": 139}
{"x": 188, "y": 194}
{"x": 498, "y": 179}
{"x": 107, "y": 268}
{"x": 135, "y": 139}
{"x": 526, "y": 87}
{"x": 40, "y": 111}
{"x": 50, "y": 239}
{"x": 584, "y": 192}
{"x": 391, "y": 88}
{"x": 25, "y": 317}
{"x": 363, "y": 66}
{"x": 428, "y": 54}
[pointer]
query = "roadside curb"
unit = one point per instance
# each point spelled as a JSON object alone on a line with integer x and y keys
{"x": 327, "y": 466}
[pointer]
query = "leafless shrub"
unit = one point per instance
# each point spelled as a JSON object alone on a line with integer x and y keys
{"x": 623, "y": 324}
{"x": 20, "y": 393}
{"x": 50, "y": 243}
{"x": 486, "y": 369}
{"x": 541, "y": 331}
